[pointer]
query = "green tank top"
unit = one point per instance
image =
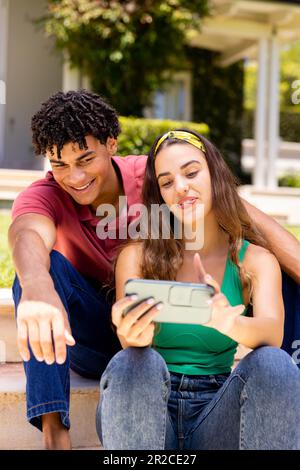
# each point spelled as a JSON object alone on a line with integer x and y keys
{"x": 196, "y": 349}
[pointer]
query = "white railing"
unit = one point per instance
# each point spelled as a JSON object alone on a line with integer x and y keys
{"x": 288, "y": 157}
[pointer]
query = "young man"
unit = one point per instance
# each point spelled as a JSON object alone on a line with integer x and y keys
{"x": 63, "y": 268}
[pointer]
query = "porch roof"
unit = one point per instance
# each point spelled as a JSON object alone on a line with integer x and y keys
{"x": 240, "y": 29}
{"x": 235, "y": 27}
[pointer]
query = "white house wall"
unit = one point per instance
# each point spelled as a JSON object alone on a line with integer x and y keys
{"x": 33, "y": 73}
{"x": 3, "y": 63}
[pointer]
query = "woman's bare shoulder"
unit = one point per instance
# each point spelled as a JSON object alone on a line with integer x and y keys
{"x": 133, "y": 249}
{"x": 259, "y": 258}
{"x": 130, "y": 256}
{"x": 128, "y": 266}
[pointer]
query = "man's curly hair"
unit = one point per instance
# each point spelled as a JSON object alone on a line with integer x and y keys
{"x": 70, "y": 117}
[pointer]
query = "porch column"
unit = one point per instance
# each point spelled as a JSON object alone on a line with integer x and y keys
{"x": 274, "y": 112}
{"x": 71, "y": 76}
{"x": 260, "y": 115}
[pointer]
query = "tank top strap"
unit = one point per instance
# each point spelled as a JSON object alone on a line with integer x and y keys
{"x": 232, "y": 285}
{"x": 243, "y": 250}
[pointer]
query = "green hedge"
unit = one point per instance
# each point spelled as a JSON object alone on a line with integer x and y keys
{"x": 290, "y": 180}
{"x": 289, "y": 125}
{"x": 138, "y": 134}
{"x": 6, "y": 268}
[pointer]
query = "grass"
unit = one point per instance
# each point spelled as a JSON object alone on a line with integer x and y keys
{"x": 6, "y": 267}
{"x": 295, "y": 230}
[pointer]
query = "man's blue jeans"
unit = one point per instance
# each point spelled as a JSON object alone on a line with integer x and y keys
{"x": 143, "y": 406}
{"x": 291, "y": 298}
{"x": 89, "y": 311}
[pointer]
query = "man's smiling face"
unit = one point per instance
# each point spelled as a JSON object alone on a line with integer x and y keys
{"x": 83, "y": 173}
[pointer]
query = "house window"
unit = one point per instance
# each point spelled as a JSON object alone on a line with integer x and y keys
{"x": 173, "y": 102}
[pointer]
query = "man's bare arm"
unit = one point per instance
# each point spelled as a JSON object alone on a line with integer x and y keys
{"x": 40, "y": 311}
{"x": 284, "y": 245}
{"x": 31, "y": 238}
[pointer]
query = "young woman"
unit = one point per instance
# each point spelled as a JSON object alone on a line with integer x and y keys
{"x": 172, "y": 387}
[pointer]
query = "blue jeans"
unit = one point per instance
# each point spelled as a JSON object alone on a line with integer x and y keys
{"x": 89, "y": 312}
{"x": 143, "y": 406}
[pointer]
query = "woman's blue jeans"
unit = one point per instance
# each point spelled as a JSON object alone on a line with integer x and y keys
{"x": 143, "y": 406}
{"x": 89, "y": 312}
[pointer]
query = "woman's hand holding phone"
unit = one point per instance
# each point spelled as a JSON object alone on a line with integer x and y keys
{"x": 136, "y": 327}
{"x": 223, "y": 314}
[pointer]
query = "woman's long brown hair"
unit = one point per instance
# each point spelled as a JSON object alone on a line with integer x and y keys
{"x": 162, "y": 258}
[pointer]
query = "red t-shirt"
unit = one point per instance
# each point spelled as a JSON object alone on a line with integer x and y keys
{"x": 76, "y": 226}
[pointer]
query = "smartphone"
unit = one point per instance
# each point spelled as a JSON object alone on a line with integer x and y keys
{"x": 184, "y": 302}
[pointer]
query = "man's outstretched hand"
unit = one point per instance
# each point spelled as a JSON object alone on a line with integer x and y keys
{"x": 43, "y": 324}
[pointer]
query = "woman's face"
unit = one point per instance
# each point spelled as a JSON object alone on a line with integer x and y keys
{"x": 184, "y": 181}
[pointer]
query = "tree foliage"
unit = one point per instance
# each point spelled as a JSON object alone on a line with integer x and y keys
{"x": 127, "y": 48}
{"x": 218, "y": 101}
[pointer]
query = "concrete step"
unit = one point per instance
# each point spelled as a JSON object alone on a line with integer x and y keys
{"x": 8, "y": 331}
{"x": 16, "y": 185}
{"x": 17, "y": 433}
{"x": 23, "y": 176}
{"x": 12, "y": 182}
{"x": 280, "y": 203}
